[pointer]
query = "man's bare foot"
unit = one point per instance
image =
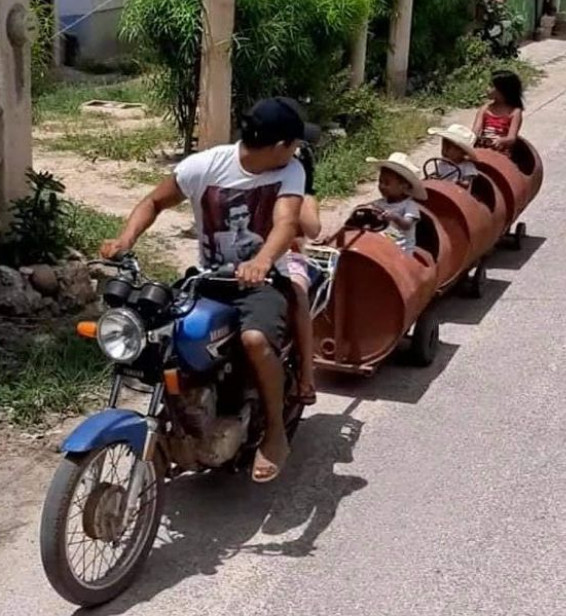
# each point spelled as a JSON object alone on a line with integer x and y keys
{"x": 270, "y": 459}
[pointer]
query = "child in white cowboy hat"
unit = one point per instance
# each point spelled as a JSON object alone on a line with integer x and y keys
{"x": 399, "y": 185}
{"x": 457, "y": 153}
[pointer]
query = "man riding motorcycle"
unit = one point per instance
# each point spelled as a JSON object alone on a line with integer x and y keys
{"x": 259, "y": 173}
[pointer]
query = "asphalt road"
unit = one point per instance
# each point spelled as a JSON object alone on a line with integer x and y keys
{"x": 433, "y": 492}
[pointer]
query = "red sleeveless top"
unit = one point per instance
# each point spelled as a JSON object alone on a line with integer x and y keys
{"x": 495, "y": 126}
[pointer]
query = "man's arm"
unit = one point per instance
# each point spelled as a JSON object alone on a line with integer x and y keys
{"x": 284, "y": 231}
{"x": 166, "y": 195}
{"x": 309, "y": 218}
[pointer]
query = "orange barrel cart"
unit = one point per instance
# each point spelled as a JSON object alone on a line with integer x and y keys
{"x": 519, "y": 178}
{"x": 460, "y": 227}
{"x": 379, "y": 293}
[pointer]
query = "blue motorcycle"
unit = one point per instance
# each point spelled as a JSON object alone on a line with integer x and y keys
{"x": 104, "y": 505}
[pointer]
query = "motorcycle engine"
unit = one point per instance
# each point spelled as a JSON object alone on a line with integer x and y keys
{"x": 211, "y": 440}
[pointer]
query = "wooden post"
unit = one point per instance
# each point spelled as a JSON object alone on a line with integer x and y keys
{"x": 359, "y": 54}
{"x": 216, "y": 73}
{"x": 399, "y": 48}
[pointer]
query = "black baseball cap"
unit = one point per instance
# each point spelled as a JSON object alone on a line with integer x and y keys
{"x": 277, "y": 119}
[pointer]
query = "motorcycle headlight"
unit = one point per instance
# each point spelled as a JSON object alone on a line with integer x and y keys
{"x": 121, "y": 335}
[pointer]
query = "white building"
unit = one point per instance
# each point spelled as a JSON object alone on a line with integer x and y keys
{"x": 93, "y": 25}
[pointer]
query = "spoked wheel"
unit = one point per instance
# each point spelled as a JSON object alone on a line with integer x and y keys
{"x": 92, "y": 544}
{"x": 519, "y": 235}
{"x": 425, "y": 340}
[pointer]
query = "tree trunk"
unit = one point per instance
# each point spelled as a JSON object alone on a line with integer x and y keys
{"x": 399, "y": 48}
{"x": 215, "y": 103}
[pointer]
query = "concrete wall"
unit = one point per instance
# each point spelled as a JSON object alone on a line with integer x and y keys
{"x": 15, "y": 113}
{"x": 97, "y": 30}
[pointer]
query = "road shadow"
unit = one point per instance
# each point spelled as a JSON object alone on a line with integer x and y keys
{"x": 459, "y": 309}
{"x": 506, "y": 258}
{"x": 395, "y": 380}
{"x": 212, "y": 518}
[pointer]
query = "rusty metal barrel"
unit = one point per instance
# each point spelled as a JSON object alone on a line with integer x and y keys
{"x": 485, "y": 191}
{"x": 379, "y": 292}
{"x": 446, "y": 240}
{"x": 513, "y": 184}
{"x": 529, "y": 163}
{"x": 470, "y": 228}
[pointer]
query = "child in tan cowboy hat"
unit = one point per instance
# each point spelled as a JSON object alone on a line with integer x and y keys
{"x": 399, "y": 185}
{"x": 457, "y": 152}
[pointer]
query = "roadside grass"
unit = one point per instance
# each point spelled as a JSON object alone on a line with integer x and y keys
{"x": 63, "y": 100}
{"x": 151, "y": 177}
{"x": 385, "y": 129}
{"x": 467, "y": 86}
{"x": 114, "y": 143}
{"x": 342, "y": 164}
{"x": 45, "y": 368}
{"x": 88, "y": 228}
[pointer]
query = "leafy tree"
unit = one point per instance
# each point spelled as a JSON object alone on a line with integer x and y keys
{"x": 168, "y": 35}
{"x": 292, "y": 47}
{"x": 42, "y": 47}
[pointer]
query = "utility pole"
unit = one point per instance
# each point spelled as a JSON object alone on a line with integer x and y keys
{"x": 359, "y": 55}
{"x": 215, "y": 106}
{"x": 399, "y": 48}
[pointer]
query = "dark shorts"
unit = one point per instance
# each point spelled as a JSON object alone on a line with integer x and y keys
{"x": 261, "y": 309}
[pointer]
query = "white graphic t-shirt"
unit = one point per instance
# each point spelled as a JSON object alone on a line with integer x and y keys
{"x": 467, "y": 169}
{"x": 233, "y": 208}
{"x": 408, "y": 209}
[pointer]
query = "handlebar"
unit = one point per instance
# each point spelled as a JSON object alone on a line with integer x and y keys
{"x": 123, "y": 260}
{"x": 222, "y": 274}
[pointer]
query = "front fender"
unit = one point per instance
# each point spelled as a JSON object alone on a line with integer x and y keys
{"x": 107, "y": 427}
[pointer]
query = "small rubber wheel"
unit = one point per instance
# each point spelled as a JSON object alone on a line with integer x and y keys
{"x": 478, "y": 281}
{"x": 425, "y": 340}
{"x": 519, "y": 235}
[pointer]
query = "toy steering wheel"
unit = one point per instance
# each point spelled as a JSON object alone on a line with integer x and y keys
{"x": 452, "y": 171}
{"x": 367, "y": 218}
{"x": 485, "y": 143}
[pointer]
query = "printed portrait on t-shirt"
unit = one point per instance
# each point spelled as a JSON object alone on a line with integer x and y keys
{"x": 236, "y": 222}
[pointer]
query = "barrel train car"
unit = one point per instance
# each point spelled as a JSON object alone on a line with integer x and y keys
{"x": 380, "y": 294}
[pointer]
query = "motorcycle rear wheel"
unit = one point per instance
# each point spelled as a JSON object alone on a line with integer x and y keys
{"x": 59, "y": 546}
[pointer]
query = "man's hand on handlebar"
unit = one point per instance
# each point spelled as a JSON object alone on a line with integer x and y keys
{"x": 254, "y": 272}
{"x": 110, "y": 249}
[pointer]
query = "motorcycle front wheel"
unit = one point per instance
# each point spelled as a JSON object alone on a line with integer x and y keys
{"x": 90, "y": 552}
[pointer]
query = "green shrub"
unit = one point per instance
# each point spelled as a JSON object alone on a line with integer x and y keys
{"x": 45, "y": 225}
{"x": 467, "y": 85}
{"x": 37, "y": 232}
{"x": 115, "y": 144}
{"x": 291, "y": 47}
{"x": 437, "y": 24}
{"x": 168, "y": 35}
{"x": 374, "y": 129}
{"x": 42, "y": 48}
